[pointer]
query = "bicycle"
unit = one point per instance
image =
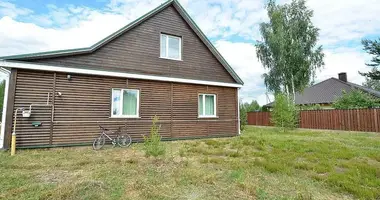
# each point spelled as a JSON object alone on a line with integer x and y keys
{"x": 122, "y": 140}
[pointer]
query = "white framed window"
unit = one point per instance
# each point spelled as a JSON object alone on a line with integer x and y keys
{"x": 207, "y": 105}
{"x": 125, "y": 103}
{"x": 170, "y": 47}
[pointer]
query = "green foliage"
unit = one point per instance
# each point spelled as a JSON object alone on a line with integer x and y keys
{"x": 152, "y": 143}
{"x": 372, "y": 48}
{"x": 356, "y": 99}
{"x": 311, "y": 107}
{"x": 284, "y": 114}
{"x": 372, "y": 83}
{"x": 243, "y": 116}
{"x": 251, "y": 107}
{"x": 289, "y": 48}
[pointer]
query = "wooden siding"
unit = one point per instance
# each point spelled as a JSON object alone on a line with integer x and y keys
{"x": 138, "y": 51}
{"x": 73, "y": 117}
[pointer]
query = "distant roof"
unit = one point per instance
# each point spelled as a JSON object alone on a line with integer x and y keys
{"x": 327, "y": 92}
{"x": 175, "y": 3}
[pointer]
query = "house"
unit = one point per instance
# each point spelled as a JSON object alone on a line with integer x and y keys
{"x": 327, "y": 91}
{"x": 161, "y": 64}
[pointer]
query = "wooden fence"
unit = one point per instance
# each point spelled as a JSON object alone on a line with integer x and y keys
{"x": 350, "y": 120}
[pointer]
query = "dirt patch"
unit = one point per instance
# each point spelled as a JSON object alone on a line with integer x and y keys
{"x": 341, "y": 170}
{"x": 56, "y": 176}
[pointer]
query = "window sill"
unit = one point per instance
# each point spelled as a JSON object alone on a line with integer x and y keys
{"x": 124, "y": 117}
{"x": 171, "y": 59}
{"x": 208, "y": 117}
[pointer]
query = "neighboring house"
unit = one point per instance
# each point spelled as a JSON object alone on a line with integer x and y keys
{"x": 161, "y": 64}
{"x": 327, "y": 91}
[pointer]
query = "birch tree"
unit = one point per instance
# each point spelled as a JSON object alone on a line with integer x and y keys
{"x": 288, "y": 49}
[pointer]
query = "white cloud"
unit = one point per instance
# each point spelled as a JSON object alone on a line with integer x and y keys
{"x": 345, "y": 20}
{"x": 346, "y": 60}
{"x": 11, "y": 10}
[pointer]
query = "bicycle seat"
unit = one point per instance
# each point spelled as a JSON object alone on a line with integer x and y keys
{"x": 101, "y": 127}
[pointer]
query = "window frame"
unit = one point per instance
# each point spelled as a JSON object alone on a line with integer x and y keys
{"x": 121, "y": 103}
{"x": 167, "y": 46}
{"x": 204, "y": 105}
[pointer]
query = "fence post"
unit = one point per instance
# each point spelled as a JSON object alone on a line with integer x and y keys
{"x": 375, "y": 117}
{"x": 358, "y": 116}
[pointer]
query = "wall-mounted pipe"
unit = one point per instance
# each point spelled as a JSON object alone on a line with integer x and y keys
{"x": 13, "y": 144}
{"x": 27, "y": 113}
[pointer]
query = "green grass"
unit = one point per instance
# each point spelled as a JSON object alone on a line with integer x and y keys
{"x": 263, "y": 163}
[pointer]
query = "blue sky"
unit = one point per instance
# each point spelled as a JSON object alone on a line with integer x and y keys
{"x": 232, "y": 25}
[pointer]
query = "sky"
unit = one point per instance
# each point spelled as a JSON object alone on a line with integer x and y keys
{"x": 232, "y": 25}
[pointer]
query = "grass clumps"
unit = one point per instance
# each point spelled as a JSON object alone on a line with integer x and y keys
{"x": 259, "y": 164}
{"x": 152, "y": 143}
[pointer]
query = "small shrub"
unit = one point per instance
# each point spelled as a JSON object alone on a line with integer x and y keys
{"x": 152, "y": 143}
{"x": 284, "y": 113}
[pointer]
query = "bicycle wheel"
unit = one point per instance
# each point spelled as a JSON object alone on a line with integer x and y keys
{"x": 124, "y": 140}
{"x": 98, "y": 142}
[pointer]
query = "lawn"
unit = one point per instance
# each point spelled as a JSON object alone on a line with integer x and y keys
{"x": 262, "y": 163}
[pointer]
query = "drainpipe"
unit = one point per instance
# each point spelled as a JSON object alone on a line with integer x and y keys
{"x": 238, "y": 108}
{"x": 5, "y": 103}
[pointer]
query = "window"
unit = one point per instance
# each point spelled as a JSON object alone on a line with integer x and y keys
{"x": 207, "y": 105}
{"x": 125, "y": 103}
{"x": 170, "y": 47}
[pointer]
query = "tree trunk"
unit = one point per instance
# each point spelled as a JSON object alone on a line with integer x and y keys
{"x": 294, "y": 92}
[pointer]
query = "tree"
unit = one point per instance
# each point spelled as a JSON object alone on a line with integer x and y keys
{"x": 372, "y": 48}
{"x": 251, "y": 107}
{"x": 289, "y": 48}
{"x": 372, "y": 83}
{"x": 355, "y": 99}
{"x": 284, "y": 114}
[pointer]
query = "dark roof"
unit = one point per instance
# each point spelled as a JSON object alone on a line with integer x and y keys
{"x": 175, "y": 3}
{"x": 328, "y": 91}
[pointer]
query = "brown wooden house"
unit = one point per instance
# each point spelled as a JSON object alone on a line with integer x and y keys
{"x": 161, "y": 64}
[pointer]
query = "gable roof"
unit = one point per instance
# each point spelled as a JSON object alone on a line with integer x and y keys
{"x": 86, "y": 50}
{"x": 327, "y": 91}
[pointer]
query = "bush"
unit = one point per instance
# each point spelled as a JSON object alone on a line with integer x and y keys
{"x": 152, "y": 143}
{"x": 311, "y": 107}
{"x": 356, "y": 99}
{"x": 284, "y": 114}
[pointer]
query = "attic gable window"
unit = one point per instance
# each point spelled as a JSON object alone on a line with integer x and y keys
{"x": 171, "y": 47}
